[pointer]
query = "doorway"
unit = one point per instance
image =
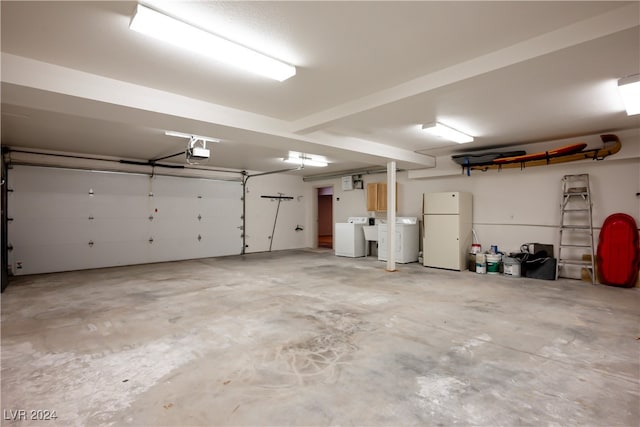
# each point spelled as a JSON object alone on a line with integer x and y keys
{"x": 325, "y": 217}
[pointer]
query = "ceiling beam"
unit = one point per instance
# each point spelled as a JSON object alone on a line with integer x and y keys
{"x": 26, "y": 72}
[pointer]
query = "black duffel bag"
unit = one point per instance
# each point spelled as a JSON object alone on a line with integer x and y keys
{"x": 537, "y": 266}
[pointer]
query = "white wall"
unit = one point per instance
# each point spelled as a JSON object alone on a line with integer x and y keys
{"x": 515, "y": 206}
{"x": 261, "y": 213}
{"x": 512, "y": 207}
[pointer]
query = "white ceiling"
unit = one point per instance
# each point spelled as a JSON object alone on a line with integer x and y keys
{"x": 76, "y": 79}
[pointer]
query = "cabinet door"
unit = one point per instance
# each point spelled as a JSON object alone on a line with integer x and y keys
{"x": 377, "y": 197}
{"x": 382, "y": 197}
{"x": 372, "y": 197}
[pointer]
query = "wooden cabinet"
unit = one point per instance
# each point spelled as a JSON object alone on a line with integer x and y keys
{"x": 372, "y": 196}
{"x": 377, "y": 197}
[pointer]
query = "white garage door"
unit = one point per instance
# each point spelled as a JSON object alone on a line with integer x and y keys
{"x": 65, "y": 219}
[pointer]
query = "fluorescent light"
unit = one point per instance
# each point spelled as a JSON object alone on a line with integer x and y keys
{"x": 629, "y": 88}
{"x": 170, "y": 30}
{"x": 305, "y": 160}
{"x": 446, "y": 132}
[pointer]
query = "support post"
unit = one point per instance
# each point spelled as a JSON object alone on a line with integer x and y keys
{"x": 391, "y": 216}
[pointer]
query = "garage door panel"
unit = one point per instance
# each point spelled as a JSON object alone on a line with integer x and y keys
{"x": 38, "y": 205}
{"x": 48, "y": 258}
{"x": 46, "y": 231}
{"x": 114, "y": 206}
{"x": 56, "y": 217}
{"x": 218, "y": 244}
{"x": 171, "y": 249}
{"x": 119, "y": 230}
{"x": 115, "y": 253}
{"x": 30, "y": 179}
{"x": 119, "y": 184}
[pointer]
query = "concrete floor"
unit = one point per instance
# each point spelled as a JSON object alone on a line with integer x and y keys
{"x": 307, "y": 338}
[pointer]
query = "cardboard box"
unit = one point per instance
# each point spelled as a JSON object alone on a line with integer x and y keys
{"x": 534, "y": 248}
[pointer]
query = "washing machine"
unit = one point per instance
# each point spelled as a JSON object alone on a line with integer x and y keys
{"x": 407, "y": 238}
{"x": 349, "y": 237}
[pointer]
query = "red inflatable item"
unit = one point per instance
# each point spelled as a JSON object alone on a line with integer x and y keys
{"x": 618, "y": 251}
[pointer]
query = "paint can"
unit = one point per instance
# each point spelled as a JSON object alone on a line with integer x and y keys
{"x": 494, "y": 249}
{"x": 511, "y": 266}
{"x": 476, "y": 248}
{"x": 493, "y": 263}
{"x": 481, "y": 265}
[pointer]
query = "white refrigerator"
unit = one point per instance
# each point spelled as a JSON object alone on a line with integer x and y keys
{"x": 447, "y": 234}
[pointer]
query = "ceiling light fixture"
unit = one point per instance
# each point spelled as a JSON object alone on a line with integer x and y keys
{"x": 629, "y": 88}
{"x": 305, "y": 160}
{"x": 196, "y": 147}
{"x": 170, "y": 30}
{"x": 446, "y": 132}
